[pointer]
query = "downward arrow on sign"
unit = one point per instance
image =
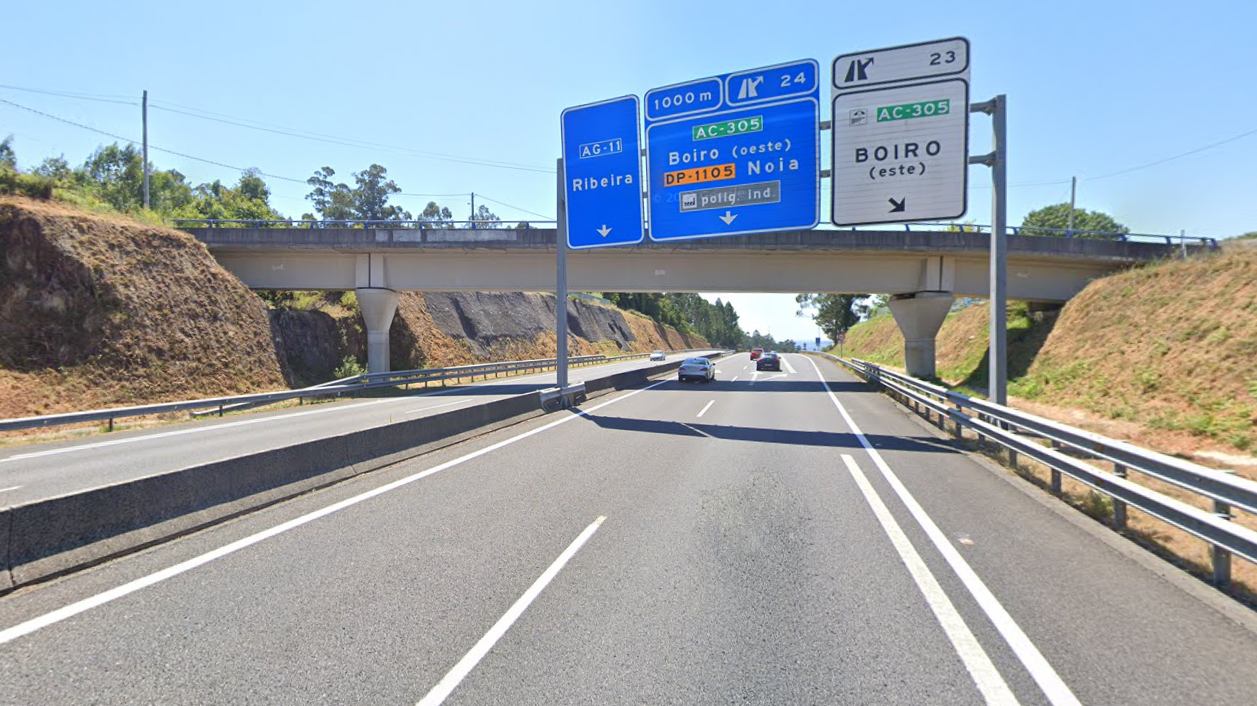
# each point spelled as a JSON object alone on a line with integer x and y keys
{"x": 728, "y": 218}
{"x": 604, "y": 230}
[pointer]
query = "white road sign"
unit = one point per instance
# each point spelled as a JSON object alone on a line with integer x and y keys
{"x": 914, "y": 62}
{"x": 901, "y": 153}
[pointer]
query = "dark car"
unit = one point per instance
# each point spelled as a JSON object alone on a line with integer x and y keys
{"x": 769, "y": 361}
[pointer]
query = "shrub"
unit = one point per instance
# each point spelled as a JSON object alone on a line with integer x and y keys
{"x": 32, "y": 185}
{"x": 349, "y": 367}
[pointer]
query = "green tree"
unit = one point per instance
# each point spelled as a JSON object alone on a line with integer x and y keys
{"x": 370, "y": 196}
{"x": 8, "y": 158}
{"x": 435, "y": 216}
{"x": 484, "y": 218}
{"x": 331, "y": 199}
{"x": 116, "y": 175}
{"x": 168, "y": 191}
{"x": 834, "y": 313}
{"x": 366, "y": 201}
{"x": 1056, "y": 218}
{"x": 247, "y": 201}
{"x": 56, "y": 168}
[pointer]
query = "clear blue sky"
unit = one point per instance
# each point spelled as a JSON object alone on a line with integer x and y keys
{"x": 1093, "y": 88}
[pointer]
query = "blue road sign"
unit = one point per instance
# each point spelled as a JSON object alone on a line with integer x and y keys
{"x": 735, "y": 154}
{"x": 602, "y": 174}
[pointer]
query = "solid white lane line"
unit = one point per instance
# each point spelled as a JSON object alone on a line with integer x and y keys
{"x": 735, "y": 378}
{"x": 437, "y": 406}
{"x": 706, "y": 407}
{"x": 195, "y": 430}
{"x": 993, "y": 687}
{"x": 56, "y": 616}
{"x": 262, "y": 420}
{"x": 469, "y": 661}
{"x": 1055, "y": 688}
{"x": 789, "y": 368}
{"x": 5, "y": 490}
{"x": 697, "y": 430}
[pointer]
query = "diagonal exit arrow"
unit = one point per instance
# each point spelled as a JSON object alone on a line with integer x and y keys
{"x": 898, "y": 206}
{"x": 728, "y": 218}
{"x": 604, "y": 230}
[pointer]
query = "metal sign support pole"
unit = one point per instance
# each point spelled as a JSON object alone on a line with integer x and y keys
{"x": 144, "y": 120}
{"x": 560, "y": 288}
{"x": 997, "y": 160}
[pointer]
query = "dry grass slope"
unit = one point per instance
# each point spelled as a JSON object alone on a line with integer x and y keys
{"x": 1164, "y": 354}
{"x": 99, "y": 311}
{"x": 1173, "y": 347}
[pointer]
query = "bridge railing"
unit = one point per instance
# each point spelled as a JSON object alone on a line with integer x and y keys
{"x": 317, "y": 225}
{"x": 1064, "y": 450}
{"x": 1031, "y": 231}
{"x": 1044, "y": 232}
{"x": 356, "y": 383}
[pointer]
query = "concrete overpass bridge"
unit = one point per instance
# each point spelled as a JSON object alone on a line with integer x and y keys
{"x": 923, "y": 270}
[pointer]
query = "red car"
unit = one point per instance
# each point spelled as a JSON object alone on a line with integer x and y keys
{"x": 756, "y": 353}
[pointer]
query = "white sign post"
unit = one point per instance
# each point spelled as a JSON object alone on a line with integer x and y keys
{"x": 901, "y": 153}
{"x": 944, "y": 58}
{"x": 901, "y": 134}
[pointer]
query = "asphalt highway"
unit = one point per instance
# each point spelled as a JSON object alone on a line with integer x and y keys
{"x": 38, "y": 471}
{"x": 770, "y": 538}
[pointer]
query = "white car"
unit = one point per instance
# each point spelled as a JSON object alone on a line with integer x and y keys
{"x": 657, "y": 355}
{"x": 697, "y": 369}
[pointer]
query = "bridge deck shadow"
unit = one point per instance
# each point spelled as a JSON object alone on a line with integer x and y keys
{"x": 835, "y": 440}
{"x": 779, "y": 386}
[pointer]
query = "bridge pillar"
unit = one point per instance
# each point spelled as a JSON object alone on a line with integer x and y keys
{"x": 920, "y": 316}
{"x": 378, "y": 306}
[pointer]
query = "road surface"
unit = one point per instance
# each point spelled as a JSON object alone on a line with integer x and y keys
{"x": 35, "y": 472}
{"x": 766, "y": 539}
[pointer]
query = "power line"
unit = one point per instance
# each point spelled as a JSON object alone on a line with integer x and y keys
{"x": 249, "y": 124}
{"x": 353, "y": 142}
{"x": 236, "y": 168}
{"x": 517, "y": 208}
{"x": 98, "y": 97}
{"x": 1177, "y": 156}
{"x": 152, "y": 147}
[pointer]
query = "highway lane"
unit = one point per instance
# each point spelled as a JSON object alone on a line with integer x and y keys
{"x": 756, "y": 553}
{"x": 38, "y": 471}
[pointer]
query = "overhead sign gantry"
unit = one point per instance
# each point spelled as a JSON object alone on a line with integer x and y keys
{"x": 735, "y": 154}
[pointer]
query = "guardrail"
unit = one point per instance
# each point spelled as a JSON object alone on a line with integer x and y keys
{"x": 1032, "y": 231}
{"x": 357, "y": 383}
{"x": 1023, "y": 433}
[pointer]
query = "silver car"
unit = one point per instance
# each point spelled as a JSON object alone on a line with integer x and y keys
{"x": 697, "y": 369}
{"x": 657, "y": 355}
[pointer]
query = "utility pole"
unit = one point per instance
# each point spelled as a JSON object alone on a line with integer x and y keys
{"x": 144, "y": 111}
{"x": 1073, "y": 195}
{"x": 473, "y": 209}
{"x": 560, "y": 286}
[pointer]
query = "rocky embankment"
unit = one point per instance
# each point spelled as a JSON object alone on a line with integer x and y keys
{"x": 99, "y": 311}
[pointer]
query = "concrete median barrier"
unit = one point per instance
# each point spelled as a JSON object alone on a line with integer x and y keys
{"x": 46, "y": 538}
